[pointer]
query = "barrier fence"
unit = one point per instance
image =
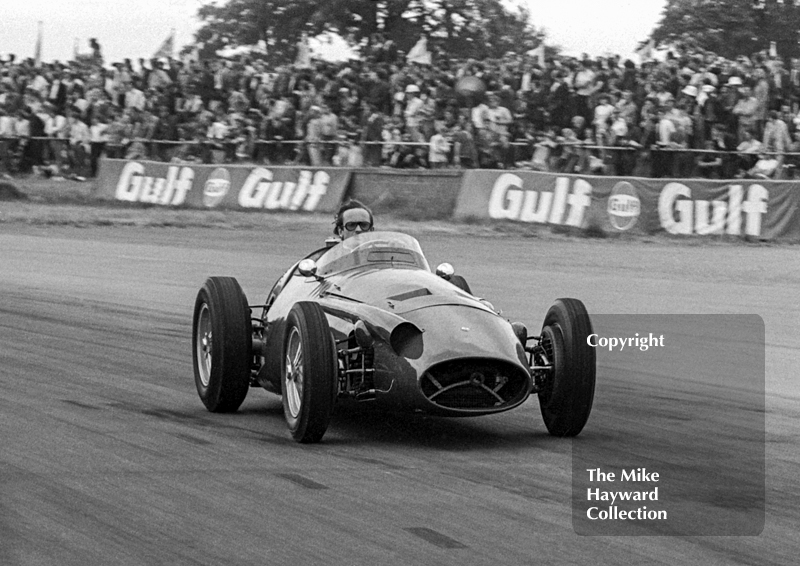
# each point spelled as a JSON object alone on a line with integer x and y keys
{"x": 59, "y": 155}
{"x": 749, "y": 208}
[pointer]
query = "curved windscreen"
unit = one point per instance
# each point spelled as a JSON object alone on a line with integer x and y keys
{"x": 373, "y": 248}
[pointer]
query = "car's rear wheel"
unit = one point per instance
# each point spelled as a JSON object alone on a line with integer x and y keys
{"x": 222, "y": 344}
{"x": 310, "y": 372}
{"x": 567, "y": 395}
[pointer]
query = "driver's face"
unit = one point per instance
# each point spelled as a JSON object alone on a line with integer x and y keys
{"x": 357, "y": 219}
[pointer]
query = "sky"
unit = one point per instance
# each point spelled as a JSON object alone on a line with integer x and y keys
{"x": 136, "y": 28}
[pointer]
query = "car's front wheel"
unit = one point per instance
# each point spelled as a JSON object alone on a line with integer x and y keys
{"x": 567, "y": 395}
{"x": 309, "y": 377}
{"x": 222, "y": 344}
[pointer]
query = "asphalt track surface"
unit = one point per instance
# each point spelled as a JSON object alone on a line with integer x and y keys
{"x": 107, "y": 455}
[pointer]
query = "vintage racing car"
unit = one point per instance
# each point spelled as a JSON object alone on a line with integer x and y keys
{"x": 366, "y": 319}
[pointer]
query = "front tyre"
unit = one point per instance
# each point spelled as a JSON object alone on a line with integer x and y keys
{"x": 222, "y": 344}
{"x": 309, "y": 377}
{"x": 566, "y": 398}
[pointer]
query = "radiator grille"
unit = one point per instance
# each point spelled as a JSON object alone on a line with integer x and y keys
{"x": 474, "y": 384}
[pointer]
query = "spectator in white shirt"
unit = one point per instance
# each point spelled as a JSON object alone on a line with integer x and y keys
{"x": 134, "y": 98}
{"x": 6, "y": 124}
{"x": 413, "y": 113}
{"x": 499, "y": 118}
{"x": 99, "y": 138}
{"x": 79, "y": 142}
{"x": 439, "y": 148}
{"x": 602, "y": 114}
{"x": 7, "y": 141}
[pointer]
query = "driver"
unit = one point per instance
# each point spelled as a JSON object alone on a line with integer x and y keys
{"x": 353, "y": 218}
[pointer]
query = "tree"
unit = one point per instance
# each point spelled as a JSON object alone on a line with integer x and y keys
{"x": 731, "y": 27}
{"x": 467, "y": 28}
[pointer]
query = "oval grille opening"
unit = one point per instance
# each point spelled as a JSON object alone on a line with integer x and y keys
{"x": 474, "y": 384}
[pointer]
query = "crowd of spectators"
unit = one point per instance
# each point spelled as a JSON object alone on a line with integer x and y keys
{"x": 569, "y": 114}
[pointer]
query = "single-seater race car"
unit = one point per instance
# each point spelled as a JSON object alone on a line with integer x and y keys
{"x": 366, "y": 319}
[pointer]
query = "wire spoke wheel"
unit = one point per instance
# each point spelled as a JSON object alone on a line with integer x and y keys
{"x": 222, "y": 344}
{"x": 203, "y": 345}
{"x": 567, "y": 395}
{"x": 310, "y": 372}
{"x": 294, "y": 373}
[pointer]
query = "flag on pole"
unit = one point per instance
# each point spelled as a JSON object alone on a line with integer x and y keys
{"x": 419, "y": 53}
{"x": 167, "y": 47}
{"x": 75, "y": 50}
{"x": 645, "y": 50}
{"x": 37, "y": 52}
{"x": 539, "y": 54}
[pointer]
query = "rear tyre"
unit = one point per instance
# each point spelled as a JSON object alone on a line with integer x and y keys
{"x": 461, "y": 283}
{"x": 566, "y": 398}
{"x": 222, "y": 344}
{"x": 309, "y": 376}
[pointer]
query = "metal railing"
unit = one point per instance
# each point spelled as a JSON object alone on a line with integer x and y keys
{"x": 19, "y": 155}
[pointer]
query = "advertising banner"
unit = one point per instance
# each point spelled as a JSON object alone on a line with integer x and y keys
{"x": 744, "y": 207}
{"x": 223, "y": 186}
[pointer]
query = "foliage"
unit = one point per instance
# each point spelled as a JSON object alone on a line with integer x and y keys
{"x": 731, "y": 27}
{"x": 465, "y": 28}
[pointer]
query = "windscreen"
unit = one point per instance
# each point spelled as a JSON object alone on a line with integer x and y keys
{"x": 379, "y": 249}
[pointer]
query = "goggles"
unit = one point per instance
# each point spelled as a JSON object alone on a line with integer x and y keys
{"x": 351, "y": 226}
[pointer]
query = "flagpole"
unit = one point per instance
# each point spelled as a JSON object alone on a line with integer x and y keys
{"x": 37, "y": 54}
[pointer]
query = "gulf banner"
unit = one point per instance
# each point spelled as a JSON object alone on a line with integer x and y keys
{"x": 223, "y": 186}
{"x": 746, "y": 207}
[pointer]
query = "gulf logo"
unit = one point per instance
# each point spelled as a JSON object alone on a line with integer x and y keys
{"x": 216, "y": 187}
{"x": 624, "y": 206}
